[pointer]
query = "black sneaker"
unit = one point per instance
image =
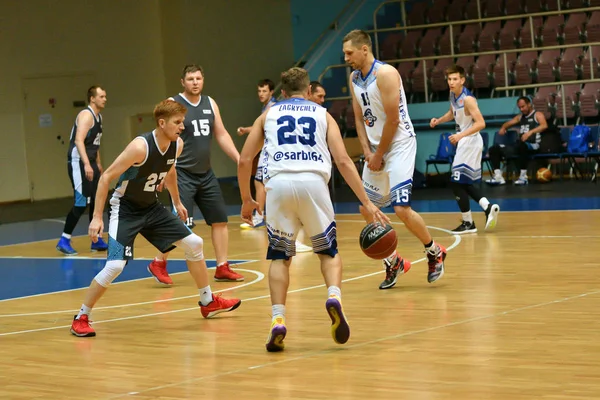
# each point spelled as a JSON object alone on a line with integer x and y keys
{"x": 400, "y": 266}
{"x": 465, "y": 227}
{"x": 491, "y": 216}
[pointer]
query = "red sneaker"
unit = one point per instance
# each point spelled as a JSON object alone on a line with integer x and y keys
{"x": 224, "y": 273}
{"x": 219, "y": 305}
{"x": 81, "y": 327}
{"x": 158, "y": 269}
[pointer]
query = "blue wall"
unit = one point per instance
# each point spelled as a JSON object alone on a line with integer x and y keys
{"x": 309, "y": 19}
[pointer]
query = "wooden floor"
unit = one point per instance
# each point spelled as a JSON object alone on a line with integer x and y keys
{"x": 517, "y": 316}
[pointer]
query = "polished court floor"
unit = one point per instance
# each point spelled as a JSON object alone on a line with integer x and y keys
{"x": 517, "y": 316}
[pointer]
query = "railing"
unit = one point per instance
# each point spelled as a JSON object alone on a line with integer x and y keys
{"x": 562, "y": 90}
{"x": 495, "y": 52}
{"x": 530, "y": 16}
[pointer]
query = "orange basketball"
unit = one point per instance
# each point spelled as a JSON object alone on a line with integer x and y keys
{"x": 377, "y": 241}
{"x": 544, "y": 175}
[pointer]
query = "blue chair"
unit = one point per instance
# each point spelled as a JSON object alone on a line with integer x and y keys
{"x": 594, "y": 153}
{"x": 444, "y": 156}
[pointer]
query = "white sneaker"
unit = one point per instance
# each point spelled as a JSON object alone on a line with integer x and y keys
{"x": 496, "y": 181}
{"x": 302, "y": 248}
{"x": 522, "y": 181}
{"x": 258, "y": 221}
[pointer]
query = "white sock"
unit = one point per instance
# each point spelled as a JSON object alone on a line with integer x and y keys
{"x": 278, "y": 310}
{"x": 467, "y": 217}
{"x": 484, "y": 203}
{"x": 523, "y": 174}
{"x": 220, "y": 265}
{"x": 498, "y": 174}
{"x": 392, "y": 259}
{"x": 334, "y": 291}
{"x": 66, "y": 236}
{"x": 433, "y": 249}
{"x": 205, "y": 295}
{"x": 84, "y": 310}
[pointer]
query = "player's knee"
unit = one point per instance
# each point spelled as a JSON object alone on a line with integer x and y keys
{"x": 193, "y": 246}
{"x": 109, "y": 273}
{"x": 402, "y": 212}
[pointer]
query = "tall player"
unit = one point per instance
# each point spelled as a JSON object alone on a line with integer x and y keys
{"x": 296, "y": 134}
{"x": 466, "y": 166}
{"x": 389, "y": 144}
{"x": 84, "y": 167}
{"x": 141, "y": 168}
{"x": 195, "y": 178}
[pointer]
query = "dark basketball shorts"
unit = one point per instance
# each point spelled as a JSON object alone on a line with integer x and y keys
{"x": 84, "y": 190}
{"x": 205, "y": 192}
{"x": 155, "y": 223}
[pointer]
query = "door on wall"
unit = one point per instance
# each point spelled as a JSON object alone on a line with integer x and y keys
{"x": 51, "y": 104}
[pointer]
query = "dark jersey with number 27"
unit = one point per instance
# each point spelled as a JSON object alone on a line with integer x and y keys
{"x": 137, "y": 185}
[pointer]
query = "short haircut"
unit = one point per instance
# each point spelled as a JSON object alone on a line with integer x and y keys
{"x": 314, "y": 85}
{"x": 455, "y": 69}
{"x": 358, "y": 38}
{"x": 191, "y": 68}
{"x": 267, "y": 82}
{"x": 526, "y": 99}
{"x": 295, "y": 80}
{"x": 93, "y": 92}
{"x": 167, "y": 108}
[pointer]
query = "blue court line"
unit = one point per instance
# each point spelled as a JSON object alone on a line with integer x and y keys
{"x": 34, "y": 276}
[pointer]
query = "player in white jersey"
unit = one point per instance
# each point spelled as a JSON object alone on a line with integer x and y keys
{"x": 298, "y": 136}
{"x": 390, "y": 146}
{"x": 466, "y": 166}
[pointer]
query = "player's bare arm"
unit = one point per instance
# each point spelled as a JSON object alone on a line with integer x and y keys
{"x": 348, "y": 170}
{"x": 134, "y": 153}
{"x": 543, "y": 125}
{"x": 85, "y": 121}
{"x": 449, "y": 116}
{"x": 222, "y": 136}
{"x": 509, "y": 123}
{"x": 170, "y": 182}
{"x": 360, "y": 127}
{"x": 254, "y": 143}
{"x": 471, "y": 109}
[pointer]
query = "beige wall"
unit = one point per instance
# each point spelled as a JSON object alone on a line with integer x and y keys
{"x": 136, "y": 49}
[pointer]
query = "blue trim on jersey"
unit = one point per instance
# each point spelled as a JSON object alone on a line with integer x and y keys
{"x": 128, "y": 175}
{"x": 280, "y": 247}
{"x": 466, "y": 174}
{"x": 401, "y": 199}
{"x": 454, "y": 100}
{"x": 363, "y": 83}
{"x": 326, "y": 242}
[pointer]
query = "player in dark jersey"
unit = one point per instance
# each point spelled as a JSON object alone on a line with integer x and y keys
{"x": 142, "y": 166}
{"x": 84, "y": 166}
{"x": 195, "y": 178}
{"x": 531, "y": 125}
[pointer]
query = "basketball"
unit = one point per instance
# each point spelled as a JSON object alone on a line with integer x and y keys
{"x": 544, "y": 175}
{"x": 377, "y": 241}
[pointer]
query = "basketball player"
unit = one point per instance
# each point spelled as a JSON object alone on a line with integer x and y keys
{"x": 317, "y": 93}
{"x": 196, "y": 180}
{"x": 266, "y": 89}
{"x": 389, "y": 144}
{"x": 142, "y": 166}
{"x": 84, "y": 167}
{"x": 296, "y": 134}
{"x": 466, "y": 166}
{"x": 531, "y": 125}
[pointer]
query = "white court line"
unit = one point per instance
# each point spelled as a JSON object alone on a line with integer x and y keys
{"x": 116, "y": 283}
{"x": 59, "y": 221}
{"x": 457, "y": 240}
{"x": 357, "y": 345}
{"x": 259, "y": 277}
